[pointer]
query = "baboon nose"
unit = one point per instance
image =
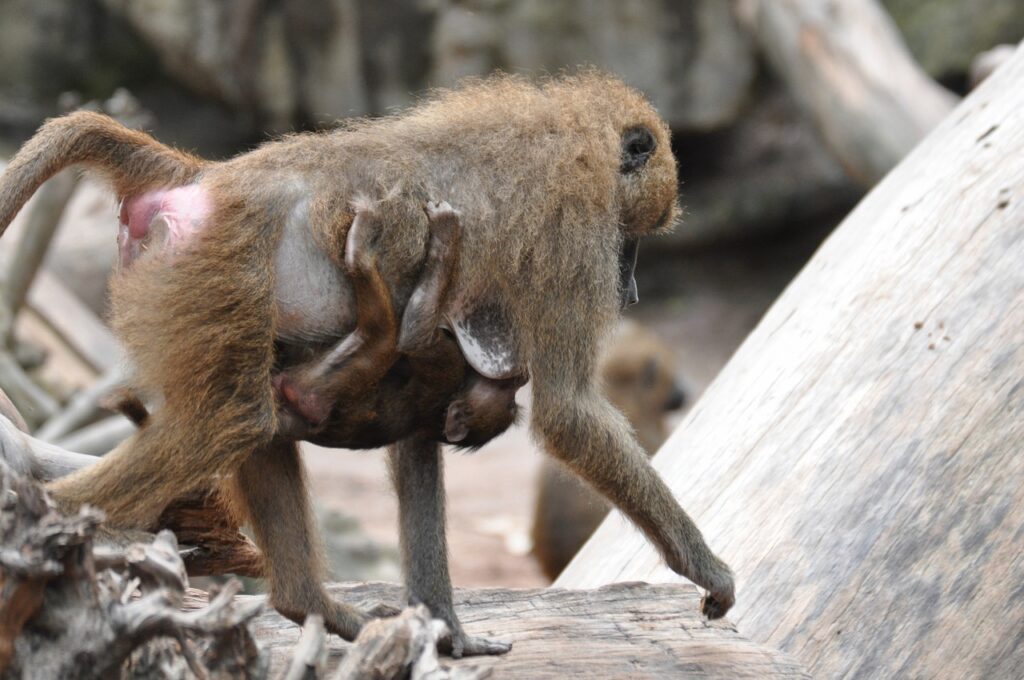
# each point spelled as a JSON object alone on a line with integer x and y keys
{"x": 676, "y": 400}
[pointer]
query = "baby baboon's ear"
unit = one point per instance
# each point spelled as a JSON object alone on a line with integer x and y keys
{"x": 638, "y": 144}
{"x": 455, "y": 427}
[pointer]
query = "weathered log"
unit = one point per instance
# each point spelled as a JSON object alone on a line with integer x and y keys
{"x": 84, "y": 332}
{"x": 42, "y": 222}
{"x": 629, "y": 630}
{"x": 67, "y": 613}
{"x": 215, "y": 543}
{"x": 83, "y": 409}
{"x": 99, "y": 437}
{"x": 32, "y": 401}
{"x": 858, "y": 461}
{"x": 848, "y": 66}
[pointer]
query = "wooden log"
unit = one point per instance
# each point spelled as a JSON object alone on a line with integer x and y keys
{"x": 41, "y": 225}
{"x": 858, "y": 460}
{"x": 32, "y": 401}
{"x": 629, "y": 630}
{"x": 847, "y": 65}
{"x": 84, "y": 408}
{"x": 84, "y": 332}
{"x": 215, "y": 543}
{"x": 100, "y": 437}
{"x": 68, "y": 613}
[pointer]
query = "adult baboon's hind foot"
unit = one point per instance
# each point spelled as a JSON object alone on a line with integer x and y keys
{"x": 459, "y": 645}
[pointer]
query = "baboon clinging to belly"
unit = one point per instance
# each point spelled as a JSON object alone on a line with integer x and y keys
{"x": 554, "y": 182}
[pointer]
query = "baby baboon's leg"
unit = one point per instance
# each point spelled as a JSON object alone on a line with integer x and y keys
{"x": 271, "y": 492}
{"x": 417, "y": 473}
{"x": 362, "y": 357}
{"x": 423, "y": 312}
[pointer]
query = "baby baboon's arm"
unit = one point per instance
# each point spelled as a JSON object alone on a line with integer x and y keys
{"x": 422, "y": 317}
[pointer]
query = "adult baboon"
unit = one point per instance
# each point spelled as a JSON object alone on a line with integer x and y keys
{"x": 554, "y": 183}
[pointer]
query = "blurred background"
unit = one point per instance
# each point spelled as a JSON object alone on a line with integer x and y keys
{"x": 765, "y": 176}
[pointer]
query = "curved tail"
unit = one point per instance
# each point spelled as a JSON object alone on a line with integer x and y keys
{"x": 131, "y": 161}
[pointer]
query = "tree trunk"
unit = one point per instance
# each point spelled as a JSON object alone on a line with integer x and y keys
{"x": 631, "y": 630}
{"x": 858, "y": 461}
{"x": 847, "y": 65}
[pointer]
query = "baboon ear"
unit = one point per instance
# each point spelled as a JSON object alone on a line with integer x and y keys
{"x": 638, "y": 144}
{"x": 455, "y": 428}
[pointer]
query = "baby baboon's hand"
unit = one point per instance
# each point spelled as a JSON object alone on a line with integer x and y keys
{"x": 444, "y": 222}
{"x": 360, "y": 244}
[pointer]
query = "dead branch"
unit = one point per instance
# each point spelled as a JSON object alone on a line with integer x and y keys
{"x": 215, "y": 544}
{"x": 63, "y": 615}
{"x": 847, "y": 66}
{"x": 83, "y": 409}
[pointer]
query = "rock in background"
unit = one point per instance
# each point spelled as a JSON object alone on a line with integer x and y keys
{"x": 221, "y": 76}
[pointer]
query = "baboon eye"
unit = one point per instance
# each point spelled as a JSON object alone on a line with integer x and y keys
{"x": 637, "y": 146}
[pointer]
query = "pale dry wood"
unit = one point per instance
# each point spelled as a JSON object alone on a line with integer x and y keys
{"x": 66, "y": 614}
{"x": 403, "y": 646}
{"x": 34, "y": 403}
{"x": 309, "y": 659}
{"x": 100, "y": 437}
{"x": 84, "y": 332}
{"x": 858, "y": 460}
{"x": 84, "y": 408}
{"x": 41, "y": 225}
{"x": 847, "y": 65}
{"x": 631, "y": 630}
{"x": 215, "y": 543}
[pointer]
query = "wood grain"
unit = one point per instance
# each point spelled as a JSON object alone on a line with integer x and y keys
{"x": 630, "y": 630}
{"x": 848, "y": 67}
{"x": 858, "y": 461}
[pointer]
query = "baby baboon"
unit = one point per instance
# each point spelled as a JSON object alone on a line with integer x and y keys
{"x": 351, "y": 395}
{"x": 242, "y": 263}
{"x": 639, "y": 378}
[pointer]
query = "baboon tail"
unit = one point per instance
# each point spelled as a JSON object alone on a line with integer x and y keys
{"x": 131, "y": 161}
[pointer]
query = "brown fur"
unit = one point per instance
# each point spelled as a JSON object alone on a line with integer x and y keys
{"x": 639, "y": 377}
{"x": 354, "y": 396}
{"x": 535, "y": 172}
